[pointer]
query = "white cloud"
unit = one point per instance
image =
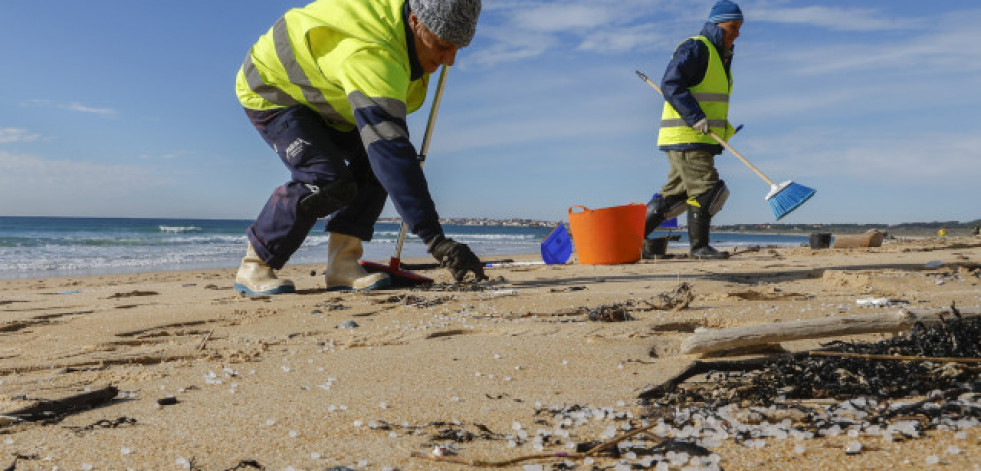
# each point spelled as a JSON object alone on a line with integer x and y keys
{"x": 842, "y": 19}
{"x": 633, "y": 38}
{"x": 517, "y": 30}
{"x": 507, "y": 46}
{"x": 73, "y": 106}
{"x": 8, "y": 135}
{"x": 88, "y": 109}
{"x": 784, "y": 103}
{"x": 941, "y": 50}
{"x": 180, "y": 154}
{"x": 910, "y": 160}
{"x": 563, "y": 17}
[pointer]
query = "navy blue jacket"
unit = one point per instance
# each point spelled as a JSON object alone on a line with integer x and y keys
{"x": 395, "y": 162}
{"x": 687, "y": 69}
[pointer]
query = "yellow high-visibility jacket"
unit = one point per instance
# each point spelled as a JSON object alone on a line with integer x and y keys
{"x": 354, "y": 63}
{"x": 712, "y": 94}
{"x": 334, "y": 56}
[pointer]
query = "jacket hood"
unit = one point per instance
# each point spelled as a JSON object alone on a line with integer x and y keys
{"x": 714, "y": 33}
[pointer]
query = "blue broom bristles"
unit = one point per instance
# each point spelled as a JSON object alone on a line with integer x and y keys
{"x": 787, "y": 196}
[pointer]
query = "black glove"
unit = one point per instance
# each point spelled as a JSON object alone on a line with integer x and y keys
{"x": 457, "y": 258}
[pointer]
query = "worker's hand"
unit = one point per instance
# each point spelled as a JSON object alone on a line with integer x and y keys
{"x": 701, "y": 126}
{"x": 458, "y": 258}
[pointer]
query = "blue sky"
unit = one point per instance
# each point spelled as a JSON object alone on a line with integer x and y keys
{"x": 126, "y": 109}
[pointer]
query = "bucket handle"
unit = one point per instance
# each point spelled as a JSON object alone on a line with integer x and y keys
{"x": 586, "y": 210}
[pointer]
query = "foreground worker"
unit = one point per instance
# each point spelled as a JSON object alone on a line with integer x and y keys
{"x": 696, "y": 87}
{"x": 329, "y": 87}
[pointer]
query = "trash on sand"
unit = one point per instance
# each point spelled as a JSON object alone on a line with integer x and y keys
{"x": 879, "y": 302}
{"x": 504, "y": 291}
{"x": 512, "y": 264}
{"x": 167, "y": 401}
{"x": 853, "y": 448}
{"x": 872, "y": 302}
{"x": 348, "y": 325}
{"x": 675, "y": 300}
{"x": 610, "y": 313}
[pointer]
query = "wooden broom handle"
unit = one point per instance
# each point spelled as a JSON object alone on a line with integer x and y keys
{"x": 714, "y": 136}
{"x": 748, "y": 164}
{"x": 424, "y": 151}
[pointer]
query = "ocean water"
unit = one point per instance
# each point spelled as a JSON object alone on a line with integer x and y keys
{"x": 37, "y": 247}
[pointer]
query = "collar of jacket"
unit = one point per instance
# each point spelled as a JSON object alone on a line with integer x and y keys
{"x": 415, "y": 68}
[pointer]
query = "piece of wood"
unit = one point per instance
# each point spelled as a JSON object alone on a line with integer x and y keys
{"x": 725, "y": 339}
{"x": 872, "y": 238}
{"x": 50, "y": 409}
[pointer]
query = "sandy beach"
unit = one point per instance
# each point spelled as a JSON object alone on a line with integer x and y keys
{"x": 317, "y": 380}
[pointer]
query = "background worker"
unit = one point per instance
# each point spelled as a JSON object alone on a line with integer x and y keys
{"x": 696, "y": 87}
{"x": 328, "y": 88}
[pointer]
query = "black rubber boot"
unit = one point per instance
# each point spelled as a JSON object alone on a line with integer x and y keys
{"x": 654, "y": 248}
{"x": 699, "y": 225}
{"x": 658, "y": 210}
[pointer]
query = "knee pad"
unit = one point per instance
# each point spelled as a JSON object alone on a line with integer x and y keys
{"x": 327, "y": 198}
{"x": 712, "y": 201}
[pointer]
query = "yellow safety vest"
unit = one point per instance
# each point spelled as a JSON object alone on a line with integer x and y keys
{"x": 330, "y": 53}
{"x": 712, "y": 94}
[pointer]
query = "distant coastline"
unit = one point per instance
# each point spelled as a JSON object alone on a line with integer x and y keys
{"x": 912, "y": 229}
{"x": 909, "y": 229}
{"x": 509, "y": 222}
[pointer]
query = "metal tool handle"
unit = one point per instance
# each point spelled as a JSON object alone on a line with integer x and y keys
{"x": 423, "y": 151}
{"x": 715, "y": 136}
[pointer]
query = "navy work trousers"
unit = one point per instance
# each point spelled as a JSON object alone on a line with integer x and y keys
{"x": 318, "y": 155}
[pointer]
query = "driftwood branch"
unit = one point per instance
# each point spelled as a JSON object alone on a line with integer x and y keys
{"x": 708, "y": 341}
{"x": 872, "y": 238}
{"x": 59, "y": 407}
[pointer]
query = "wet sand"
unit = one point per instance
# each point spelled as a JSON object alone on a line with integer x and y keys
{"x": 314, "y": 380}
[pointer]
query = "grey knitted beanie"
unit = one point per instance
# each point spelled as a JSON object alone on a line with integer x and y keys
{"x": 451, "y": 20}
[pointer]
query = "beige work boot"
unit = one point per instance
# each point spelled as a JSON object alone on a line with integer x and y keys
{"x": 343, "y": 270}
{"x": 255, "y": 278}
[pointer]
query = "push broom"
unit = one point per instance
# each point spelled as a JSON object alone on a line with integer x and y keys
{"x": 403, "y": 278}
{"x": 783, "y": 198}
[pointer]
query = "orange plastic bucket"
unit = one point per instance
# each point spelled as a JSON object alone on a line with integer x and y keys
{"x": 608, "y": 236}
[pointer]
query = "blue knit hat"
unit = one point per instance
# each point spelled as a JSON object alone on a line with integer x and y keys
{"x": 723, "y": 11}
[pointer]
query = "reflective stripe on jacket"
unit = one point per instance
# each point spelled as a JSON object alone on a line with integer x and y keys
{"x": 354, "y": 63}
{"x": 712, "y": 94}
{"x": 320, "y": 56}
